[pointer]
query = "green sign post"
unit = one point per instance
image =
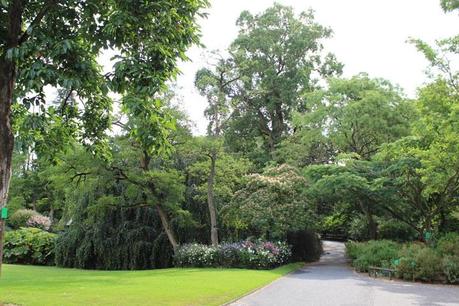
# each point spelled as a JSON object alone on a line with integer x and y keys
{"x": 4, "y": 213}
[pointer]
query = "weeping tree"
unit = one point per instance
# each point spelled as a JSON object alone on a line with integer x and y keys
{"x": 56, "y": 43}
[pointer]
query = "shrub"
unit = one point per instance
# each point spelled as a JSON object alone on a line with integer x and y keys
{"x": 306, "y": 245}
{"x": 428, "y": 265}
{"x": 380, "y": 253}
{"x": 29, "y": 246}
{"x": 450, "y": 268}
{"x": 448, "y": 244}
{"x": 39, "y": 221}
{"x": 358, "y": 229}
{"x": 406, "y": 268}
{"x": 20, "y": 217}
{"x": 196, "y": 255}
{"x": 246, "y": 254}
{"x": 396, "y": 230}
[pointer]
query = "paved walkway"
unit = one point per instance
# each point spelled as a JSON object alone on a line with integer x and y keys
{"x": 332, "y": 282}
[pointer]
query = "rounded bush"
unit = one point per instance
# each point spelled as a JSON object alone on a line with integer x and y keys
{"x": 20, "y": 217}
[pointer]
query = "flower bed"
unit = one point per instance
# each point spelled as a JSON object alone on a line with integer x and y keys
{"x": 244, "y": 254}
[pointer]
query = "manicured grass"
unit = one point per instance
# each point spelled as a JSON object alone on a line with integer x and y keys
{"x": 33, "y": 285}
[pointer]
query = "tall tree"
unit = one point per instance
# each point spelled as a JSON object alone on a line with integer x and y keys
{"x": 211, "y": 84}
{"x": 277, "y": 57}
{"x": 57, "y": 42}
{"x": 355, "y": 115}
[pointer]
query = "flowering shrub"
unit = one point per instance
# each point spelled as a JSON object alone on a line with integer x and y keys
{"x": 244, "y": 254}
{"x": 39, "y": 221}
{"x": 20, "y": 217}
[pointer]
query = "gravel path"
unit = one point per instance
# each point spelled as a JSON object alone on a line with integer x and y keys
{"x": 332, "y": 282}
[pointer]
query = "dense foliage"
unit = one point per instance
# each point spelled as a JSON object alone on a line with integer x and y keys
{"x": 244, "y": 254}
{"x": 30, "y": 246}
{"x": 292, "y": 149}
{"x": 438, "y": 261}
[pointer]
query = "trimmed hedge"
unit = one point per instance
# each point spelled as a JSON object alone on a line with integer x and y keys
{"x": 29, "y": 246}
{"x": 245, "y": 254}
{"x": 306, "y": 245}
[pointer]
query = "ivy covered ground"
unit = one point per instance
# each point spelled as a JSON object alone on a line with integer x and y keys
{"x": 32, "y": 285}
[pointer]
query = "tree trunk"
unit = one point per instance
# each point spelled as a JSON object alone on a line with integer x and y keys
{"x": 6, "y": 137}
{"x": 167, "y": 227}
{"x": 210, "y": 200}
{"x": 7, "y": 81}
{"x": 145, "y": 165}
{"x": 372, "y": 225}
{"x": 2, "y": 237}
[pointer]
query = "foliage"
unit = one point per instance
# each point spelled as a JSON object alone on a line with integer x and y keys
{"x": 411, "y": 261}
{"x": 29, "y": 246}
{"x": 244, "y": 254}
{"x": 428, "y": 264}
{"x": 448, "y": 244}
{"x": 355, "y": 115}
{"x": 378, "y": 253}
{"x": 272, "y": 63}
{"x": 118, "y": 239}
{"x": 37, "y": 286}
{"x": 20, "y": 218}
{"x": 306, "y": 245}
{"x": 38, "y": 221}
{"x": 450, "y": 268}
{"x": 395, "y": 230}
{"x": 271, "y": 204}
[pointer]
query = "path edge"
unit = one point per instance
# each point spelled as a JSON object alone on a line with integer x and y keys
{"x": 262, "y": 287}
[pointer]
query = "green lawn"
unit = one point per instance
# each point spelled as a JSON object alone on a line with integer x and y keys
{"x": 33, "y": 285}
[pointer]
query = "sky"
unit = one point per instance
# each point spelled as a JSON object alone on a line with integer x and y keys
{"x": 369, "y": 36}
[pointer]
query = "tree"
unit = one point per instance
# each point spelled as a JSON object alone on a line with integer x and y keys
{"x": 271, "y": 204}
{"x": 211, "y": 84}
{"x": 356, "y": 115}
{"x": 56, "y": 43}
{"x": 229, "y": 176}
{"x": 276, "y": 58}
{"x": 433, "y": 183}
{"x": 449, "y": 5}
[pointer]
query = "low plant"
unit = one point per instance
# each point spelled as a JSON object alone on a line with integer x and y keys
{"x": 448, "y": 244}
{"x": 437, "y": 261}
{"x": 379, "y": 253}
{"x": 428, "y": 265}
{"x": 245, "y": 254}
{"x": 29, "y": 246}
{"x": 450, "y": 268}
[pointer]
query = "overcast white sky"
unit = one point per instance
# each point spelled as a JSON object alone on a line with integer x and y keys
{"x": 369, "y": 36}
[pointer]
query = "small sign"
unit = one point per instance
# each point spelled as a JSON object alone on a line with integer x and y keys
{"x": 396, "y": 262}
{"x": 427, "y": 236}
{"x": 4, "y": 213}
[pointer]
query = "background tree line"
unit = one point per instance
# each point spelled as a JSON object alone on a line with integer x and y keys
{"x": 291, "y": 146}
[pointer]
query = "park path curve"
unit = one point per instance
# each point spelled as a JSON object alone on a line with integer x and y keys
{"x": 331, "y": 282}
